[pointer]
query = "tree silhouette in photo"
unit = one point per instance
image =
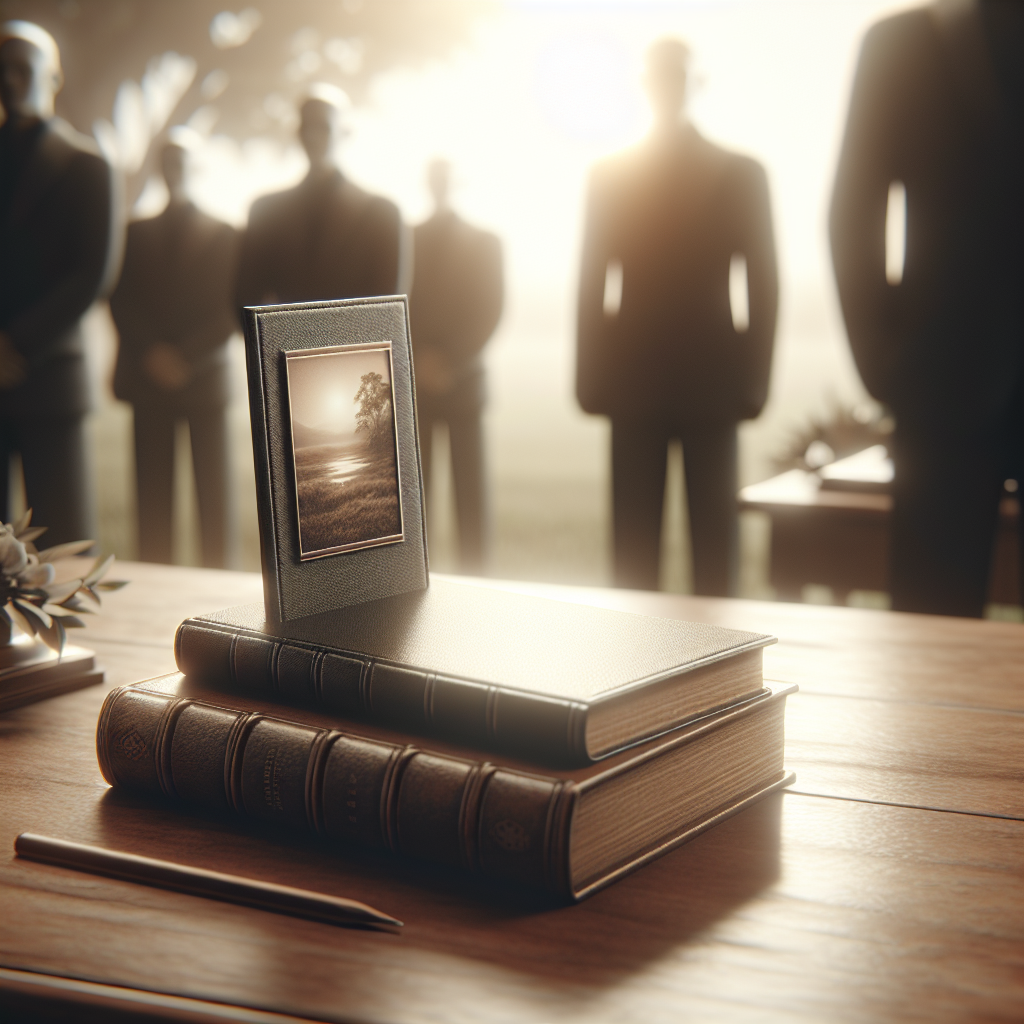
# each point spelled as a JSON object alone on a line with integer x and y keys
{"x": 374, "y": 415}
{"x": 348, "y": 491}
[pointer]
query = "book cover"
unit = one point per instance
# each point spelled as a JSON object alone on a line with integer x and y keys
{"x": 556, "y": 682}
{"x": 565, "y": 832}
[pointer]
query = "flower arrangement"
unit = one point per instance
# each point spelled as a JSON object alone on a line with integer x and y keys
{"x": 841, "y": 431}
{"x": 30, "y": 599}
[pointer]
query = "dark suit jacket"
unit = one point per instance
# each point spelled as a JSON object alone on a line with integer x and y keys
{"x": 946, "y": 345}
{"x": 59, "y": 252}
{"x": 674, "y": 211}
{"x": 455, "y": 304}
{"x": 177, "y": 286}
{"x": 324, "y": 239}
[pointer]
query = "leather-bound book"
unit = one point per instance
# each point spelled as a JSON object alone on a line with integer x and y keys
{"x": 557, "y": 683}
{"x": 568, "y": 832}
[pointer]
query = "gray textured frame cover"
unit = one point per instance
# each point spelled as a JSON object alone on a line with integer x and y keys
{"x": 293, "y": 589}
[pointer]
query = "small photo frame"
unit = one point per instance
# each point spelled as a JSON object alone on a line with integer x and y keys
{"x": 344, "y": 448}
{"x": 338, "y": 480}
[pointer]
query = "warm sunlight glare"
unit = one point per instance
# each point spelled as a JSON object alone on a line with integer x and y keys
{"x": 895, "y": 232}
{"x": 542, "y": 92}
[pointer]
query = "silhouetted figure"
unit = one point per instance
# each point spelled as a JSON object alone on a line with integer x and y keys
{"x": 58, "y": 252}
{"x": 326, "y": 238}
{"x": 174, "y": 314}
{"x": 938, "y": 104}
{"x": 454, "y": 307}
{"x": 658, "y": 350}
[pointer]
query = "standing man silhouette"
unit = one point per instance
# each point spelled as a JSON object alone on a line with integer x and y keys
{"x": 59, "y": 250}
{"x": 325, "y": 238}
{"x": 658, "y": 348}
{"x": 454, "y": 308}
{"x": 937, "y": 106}
{"x": 174, "y": 314}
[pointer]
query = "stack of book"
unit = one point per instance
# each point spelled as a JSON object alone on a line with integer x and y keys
{"x": 528, "y": 740}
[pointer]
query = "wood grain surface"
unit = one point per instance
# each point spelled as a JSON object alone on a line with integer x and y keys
{"x": 888, "y": 887}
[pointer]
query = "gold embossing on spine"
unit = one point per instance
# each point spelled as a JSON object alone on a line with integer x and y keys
{"x": 272, "y": 780}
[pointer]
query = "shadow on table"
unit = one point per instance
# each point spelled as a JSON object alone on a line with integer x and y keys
{"x": 614, "y": 933}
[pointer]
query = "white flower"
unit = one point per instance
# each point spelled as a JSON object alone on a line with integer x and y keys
{"x": 13, "y": 557}
{"x": 36, "y": 574}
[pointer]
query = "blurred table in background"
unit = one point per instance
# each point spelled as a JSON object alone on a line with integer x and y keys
{"x": 885, "y": 886}
{"x": 840, "y": 538}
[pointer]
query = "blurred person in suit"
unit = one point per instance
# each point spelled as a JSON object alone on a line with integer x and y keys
{"x": 938, "y": 106}
{"x": 325, "y": 238}
{"x": 659, "y": 350}
{"x": 174, "y": 314}
{"x": 59, "y": 250}
{"x": 454, "y": 307}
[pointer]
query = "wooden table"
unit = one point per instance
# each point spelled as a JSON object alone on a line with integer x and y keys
{"x": 840, "y": 539}
{"x": 888, "y": 885}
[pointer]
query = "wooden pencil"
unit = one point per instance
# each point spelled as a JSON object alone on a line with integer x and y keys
{"x": 163, "y": 874}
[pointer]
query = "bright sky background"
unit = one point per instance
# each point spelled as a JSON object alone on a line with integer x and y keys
{"x": 547, "y": 88}
{"x": 543, "y": 91}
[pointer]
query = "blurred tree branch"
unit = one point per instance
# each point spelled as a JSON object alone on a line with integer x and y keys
{"x": 135, "y": 67}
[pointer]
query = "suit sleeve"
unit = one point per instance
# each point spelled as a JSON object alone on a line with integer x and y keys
{"x": 93, "y": 240}
{"x": 858, "y": 211}
{"x": 757, "y": 243}
{"x": 471, "y": 321}
{"x": 213, "y": 317}
{"x": 591, "y": 322}
{"x": 406, "y": 261}
{"x": 387, "y": 251}
{"x": 253, "y": 283}
{"x": 133, "y": 314}
{"x": 131, "y": 311}
{"x": 490, "y": 292}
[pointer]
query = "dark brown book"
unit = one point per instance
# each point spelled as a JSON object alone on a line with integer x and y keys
{"x": 567, "y": 832}
{"x": 558, "y": 683}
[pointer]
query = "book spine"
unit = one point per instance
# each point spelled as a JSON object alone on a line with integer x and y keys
{"x": 473, "y": 714}
{"x": 500, "y": 823}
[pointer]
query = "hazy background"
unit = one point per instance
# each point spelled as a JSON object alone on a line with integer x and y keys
{"x": 522, "y": 97}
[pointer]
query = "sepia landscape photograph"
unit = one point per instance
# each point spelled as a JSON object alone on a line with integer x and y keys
{"x": 344, "y": 448}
